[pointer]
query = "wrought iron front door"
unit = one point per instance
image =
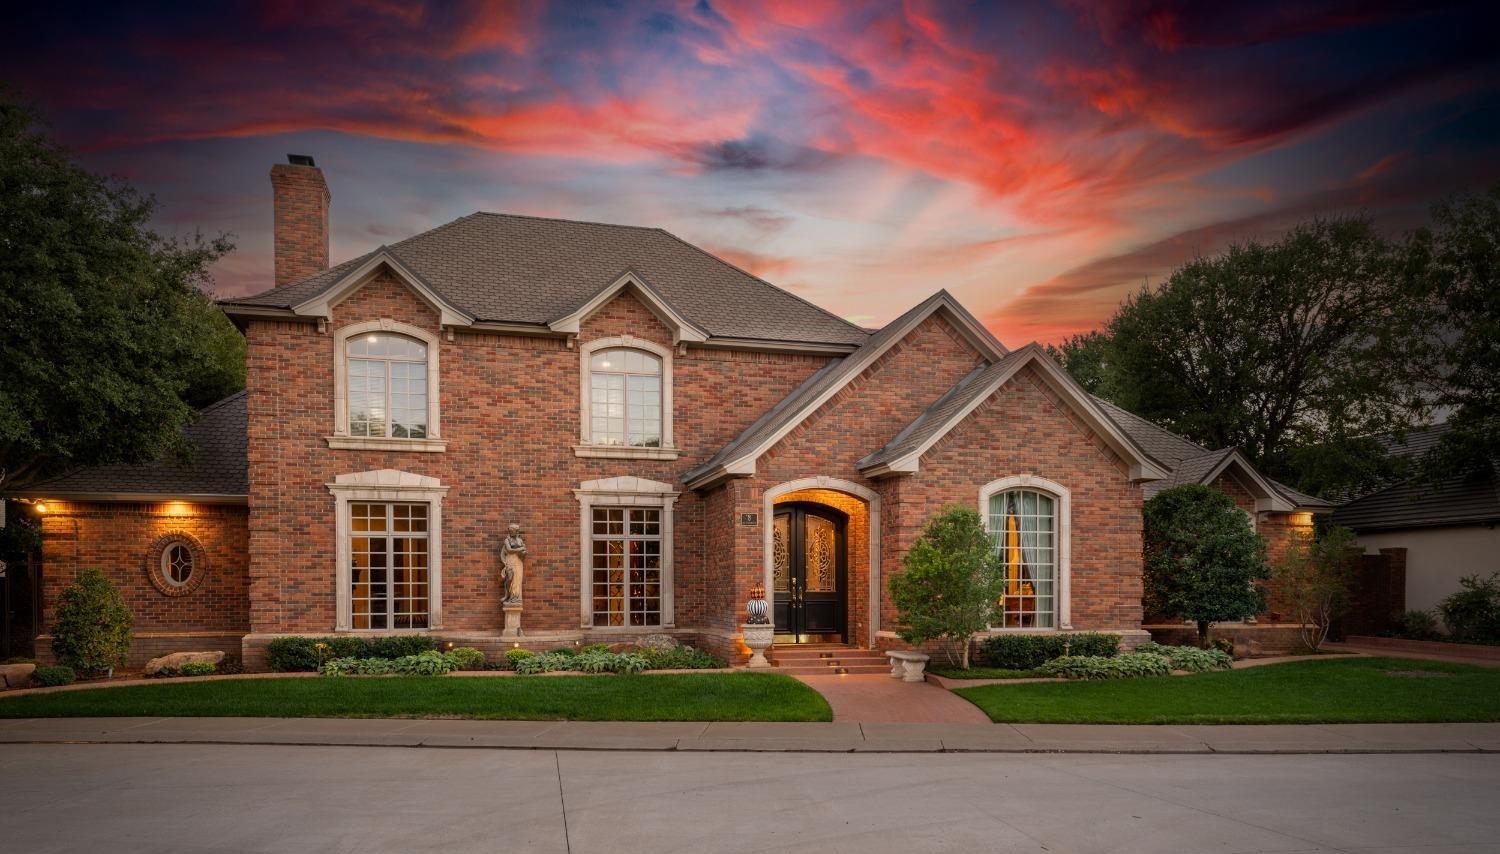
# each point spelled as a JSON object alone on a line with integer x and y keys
{"x": 809, "y": 560}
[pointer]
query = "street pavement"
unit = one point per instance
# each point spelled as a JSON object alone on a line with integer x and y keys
{"x": 285, "y": 798}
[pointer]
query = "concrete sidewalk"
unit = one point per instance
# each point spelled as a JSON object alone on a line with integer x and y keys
{"x": 837, "y": 737}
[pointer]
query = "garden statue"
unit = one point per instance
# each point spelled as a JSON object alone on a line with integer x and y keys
{"x": 512, "y": 568}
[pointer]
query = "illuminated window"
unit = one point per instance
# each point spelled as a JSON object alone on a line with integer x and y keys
{"x": 1024, "y": 523}
{"x": 625, "y": 398}
{"x": 387, "y": 386}
{"x": 627, "y": 564}
{"x": 388, "y": 565}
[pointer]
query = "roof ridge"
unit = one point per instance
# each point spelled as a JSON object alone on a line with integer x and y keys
{"x": 559, "y": 219}
{"x": 803, "y": 300}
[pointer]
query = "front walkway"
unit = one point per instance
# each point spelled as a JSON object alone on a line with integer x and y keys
{"x": 837, "y": 737}
{"x": 881, "y": 699}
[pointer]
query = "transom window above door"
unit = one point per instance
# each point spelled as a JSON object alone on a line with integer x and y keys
{"x": 625, "y": 398}
{"x": 387, "y": 386}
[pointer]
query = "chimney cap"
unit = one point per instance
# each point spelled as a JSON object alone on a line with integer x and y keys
{"x": 300, "y": 160}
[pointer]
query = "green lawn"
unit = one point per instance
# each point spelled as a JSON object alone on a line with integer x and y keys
{"x": 685, "y": 697}
{"x": 1355, "y": 690}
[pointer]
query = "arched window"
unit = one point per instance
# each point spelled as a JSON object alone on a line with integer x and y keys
{"x": 625, "y": 398}
{"x": 1024, "y": 522}
{"x": 387, "y": 386}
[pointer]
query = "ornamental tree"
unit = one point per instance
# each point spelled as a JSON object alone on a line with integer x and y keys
{"x": 92, "y": 631}
{"x": 953, "y": 577}
{"x": 1202, "y": 557}
{"x": 1316, "y": 575}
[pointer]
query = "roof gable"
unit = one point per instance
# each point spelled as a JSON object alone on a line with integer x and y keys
{"x": 738, "y": 458}
{"x": 903, "y": 454}
{"x": 321, "y": 304}
{"x": 632, "y": 282}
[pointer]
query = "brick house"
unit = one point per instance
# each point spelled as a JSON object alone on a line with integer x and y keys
{"x": 669, "y": 431}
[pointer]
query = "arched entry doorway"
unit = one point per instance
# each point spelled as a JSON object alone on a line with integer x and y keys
{"x": 859, "y": 507}
{"x": 810, "y": 573}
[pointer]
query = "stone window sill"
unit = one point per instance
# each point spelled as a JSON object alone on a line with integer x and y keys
{"x": 374, "y": 443}
{"x": 625, "y": 452}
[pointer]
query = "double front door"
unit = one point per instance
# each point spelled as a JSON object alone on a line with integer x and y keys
{"x": 809, "y": 571}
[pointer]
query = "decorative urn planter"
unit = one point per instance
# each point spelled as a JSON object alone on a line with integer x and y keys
{"x": 757, "y": 630}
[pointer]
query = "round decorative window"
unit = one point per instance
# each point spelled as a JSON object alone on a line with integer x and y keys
{"x": 176, "y": 564}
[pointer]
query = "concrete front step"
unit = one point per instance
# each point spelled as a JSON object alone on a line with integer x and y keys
{"x": 851, "y": 669}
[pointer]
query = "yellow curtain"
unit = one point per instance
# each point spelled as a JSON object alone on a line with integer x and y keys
{"x": 1012, "y": 555}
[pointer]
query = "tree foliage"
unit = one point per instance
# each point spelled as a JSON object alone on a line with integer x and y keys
{"x": 953, "y": 577}
{"x": 92, "y": 631}
{"x": 1316, "y": 576}
{"x": 1460, "y": 257}
{"x": 1203, "y": 561}
{"x": 1314, "y": 339}
{"x": 108, "y": 343}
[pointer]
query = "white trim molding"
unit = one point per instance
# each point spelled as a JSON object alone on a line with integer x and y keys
{"x": 624, "y": 492}
{"x": 872, "y": 508}
{"x": 341, "y": 438}
{"x": 585, "y": 446}
{"x": 1267, "y": 498}
{"x": 321, "y": 305}
{"x": 1064, "y": 537}
{"x": 388, "y": 485}
{"x": 682, "y": 328}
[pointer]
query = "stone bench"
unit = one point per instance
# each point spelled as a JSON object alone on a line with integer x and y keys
{"x": 907, "y": 666}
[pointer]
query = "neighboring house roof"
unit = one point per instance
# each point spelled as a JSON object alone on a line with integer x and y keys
{"x": 504, "y": 268}
{"x": 1420, "y": 503}
{"x": 904, "y": 452}
{"x": 217, "y": 471}
{"x": 738, "y": 457}
{"x": 1192, "y": 463}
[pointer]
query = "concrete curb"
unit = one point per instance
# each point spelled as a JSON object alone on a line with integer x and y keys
{"x": 1271, "y": 739}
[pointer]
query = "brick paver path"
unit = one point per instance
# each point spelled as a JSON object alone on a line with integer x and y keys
{"x": 881, "y": 699}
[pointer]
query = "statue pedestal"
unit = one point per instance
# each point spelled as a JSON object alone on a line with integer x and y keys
{"x": 512, "y": 623}
{"x": 758, "y": 639}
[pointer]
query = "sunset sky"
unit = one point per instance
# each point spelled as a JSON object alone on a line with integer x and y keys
{"x": 1037, "y": 160}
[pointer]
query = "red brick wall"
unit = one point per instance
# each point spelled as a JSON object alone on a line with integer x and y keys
{"x": 1026, "y": 429}
{"x": 510, "y": 415}
{"x": 118, "y": 540}
{"x": 300, "y": 220}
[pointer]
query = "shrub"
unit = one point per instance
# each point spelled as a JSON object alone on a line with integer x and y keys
{"x": 1202, "y": 558}
{"x": 197, "y": 668}
{"x": 1473, "y": 613}
{"x": 465, "y": 658}
{"x": 564, "y": 650}
{"x": 951, "y": 581}
{"x": 546, "y": 662}
{"x": 1415, "y": 625}
{"x": 399, "y": 646}
{"x": 92, "y": 631}
{"x": 1124, "y": 666}
{"x": 514, "y": 657}
{"x": 1189, "y": 658}
{"x": 48, "y": 677}
{"x": 1025, "y": 652}
{"x": 1224, "y": 645}
{"x": 595, "y": 647}
{"x": 429, "y": 663}
{"x": 303, "y": 654}
{"x": 681, "y": 658}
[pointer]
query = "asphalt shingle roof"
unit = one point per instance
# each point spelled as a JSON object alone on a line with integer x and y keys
{"x": 931, "y": 421}
{"x": 521, "y": 269}
{"x": 219, "y": 464}
{"x": 1416, "y": 502}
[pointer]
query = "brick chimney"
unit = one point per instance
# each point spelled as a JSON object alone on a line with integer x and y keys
{"x": 301, "y": 218}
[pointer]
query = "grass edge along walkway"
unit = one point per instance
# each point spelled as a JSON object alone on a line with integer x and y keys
{"x": 646, "y": 697}
{"x": 1354, "y": 690}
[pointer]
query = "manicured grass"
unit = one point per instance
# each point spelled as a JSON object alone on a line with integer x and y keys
{"x": 1352, "y": 690}
{"x": 982, "y": 673}
{"x": 685, "y": 697}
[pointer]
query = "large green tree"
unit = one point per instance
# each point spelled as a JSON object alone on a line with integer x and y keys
{"x": 952, "y": 578}
{"x": 1460, "y": 257}
{"x": 1313, "y": 339}
{"x": 108, "y": 342}
{"x": 1203, "y": 560}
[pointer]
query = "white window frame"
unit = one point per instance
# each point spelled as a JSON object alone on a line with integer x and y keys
{"x": 387, "y": 486}
{"x": 624, "y": 492}
{"x": 1063, "y": 499}
{"x": 166, "y": 561}
{"x": 341, "y": 438}
{"x": 586, "y": 446}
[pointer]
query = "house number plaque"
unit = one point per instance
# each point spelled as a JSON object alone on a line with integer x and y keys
{"x": 749, "y": 518}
